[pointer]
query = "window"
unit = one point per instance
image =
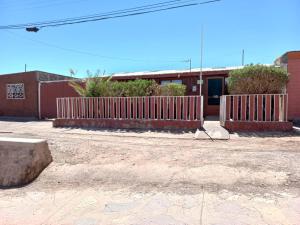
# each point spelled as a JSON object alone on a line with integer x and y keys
{"x": 15, "y": 91}
{"x": 165, "y": 82}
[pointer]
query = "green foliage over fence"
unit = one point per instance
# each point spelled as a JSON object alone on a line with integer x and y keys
{"x": 105, "y": 87}
{"x": 257, "y": 79}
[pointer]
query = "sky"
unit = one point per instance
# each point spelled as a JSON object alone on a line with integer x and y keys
{"x": 265, "y": 29}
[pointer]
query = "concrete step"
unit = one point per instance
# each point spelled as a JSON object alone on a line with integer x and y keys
{"x": 215, "y": 131}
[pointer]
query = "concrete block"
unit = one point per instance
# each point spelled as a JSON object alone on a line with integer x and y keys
{"x": 22, "y": 160}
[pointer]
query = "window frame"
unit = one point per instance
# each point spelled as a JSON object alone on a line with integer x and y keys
{"x": 165, "y": 82}
{"x": 12, "y": 97}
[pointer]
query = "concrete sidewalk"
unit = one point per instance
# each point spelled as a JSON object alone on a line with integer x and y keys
{"x": 212, "y": 130}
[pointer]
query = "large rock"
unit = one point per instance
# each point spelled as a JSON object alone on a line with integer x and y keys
{"x": 22, "y": 160}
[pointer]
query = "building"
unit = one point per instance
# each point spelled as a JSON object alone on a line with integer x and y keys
{"x": 34, "y": 94}
{"x": 19, "y": 92}
{"x": 213, "y": 87}
{"x": 213, "y": 80}
{"x": 291, "y": 62}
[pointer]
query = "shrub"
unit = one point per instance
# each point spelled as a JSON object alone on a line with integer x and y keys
{"x": 139, "y": 88}
{"x": 257, "y": 79}
{"x": 105, "y": 87}
{"x": 172, "y": 89}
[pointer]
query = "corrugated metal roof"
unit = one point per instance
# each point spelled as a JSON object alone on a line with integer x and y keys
{"x": 147, "y": 73}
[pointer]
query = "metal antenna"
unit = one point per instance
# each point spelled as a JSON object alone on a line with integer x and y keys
{"x": 201, "y": 62}
{"x": 243, "y": 57}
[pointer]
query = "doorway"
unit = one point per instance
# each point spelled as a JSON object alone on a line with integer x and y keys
{"x": 215, "y": 89}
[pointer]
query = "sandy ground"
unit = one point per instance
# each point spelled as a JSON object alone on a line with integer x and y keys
{"x": 118, "y": 177}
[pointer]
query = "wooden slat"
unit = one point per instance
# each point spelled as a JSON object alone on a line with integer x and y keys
{"x": 243, "y": 108}
{"x": 101, "y": 108}
{"x": 192, "y": 107}
{"x": 198, "y": 108}
{"x": 58, "y": 114}
{"x": 235, "y": 112}
{"x": 87, "y": 108}
{"x": 276, "y": 107}
{"x": 171, "y": 108}
{"x": 95, "y": 108}
{"x": 117, "y": 108}
{"x": 67, "y": 108}
{"x": 185, "y": 108}
{"x": 285, "y": 109}
{"x": 146, "y": 113}
{"x": 259, "y": 108}
{"x": 71, "y": 108}
{"x": 128, "y": 105}
{"x": 165, "y": 107}
{"x": 252, "y": 108}
{"x": 75, "y": 108}
{"x": 78, "y": 102}
{"x": 140, "y": 101}
{"x": 112, "y": 108}
{"x": 134, "y": 111}
{"x": 158, "y": 107}
{"x": 122, "y": 108}
{"x": 268, "y": 107}
{"x": 91, "y": 107}
{"x": 82, "y": 108}
{"x": 178, "y": 108}
{"x": 106, "y": 105}
{"x": 152, "y": 108}
{"x": 228, "y": 107}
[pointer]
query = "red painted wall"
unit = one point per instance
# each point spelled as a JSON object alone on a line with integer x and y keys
{"x": 27, "y": 107}
{"x": 293, "y": 87}
{"x": 49, "y": 92}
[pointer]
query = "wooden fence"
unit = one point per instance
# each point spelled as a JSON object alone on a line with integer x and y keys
{"x": 181, "y": 108}
{"x": 258, "y": 108}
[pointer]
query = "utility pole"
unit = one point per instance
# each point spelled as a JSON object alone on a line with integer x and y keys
{"x": 25, "y": 67}
{"x": 243, "y": 57}
{"x": 190, "y": 65}
{"x": 201, "y": 62}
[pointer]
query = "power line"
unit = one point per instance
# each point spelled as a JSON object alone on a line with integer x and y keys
{"x": 146, "y": 9}
{"x": 98, "y": 15}
{"x": 116, "y": 12}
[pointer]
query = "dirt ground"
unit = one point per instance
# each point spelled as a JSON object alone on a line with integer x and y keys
{"x": 101, "y": 177}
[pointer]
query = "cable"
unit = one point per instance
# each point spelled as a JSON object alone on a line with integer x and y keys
{"x": 116, "y": 12}
{"x": 100, "y": 15}
{"x": 158, "y": 7}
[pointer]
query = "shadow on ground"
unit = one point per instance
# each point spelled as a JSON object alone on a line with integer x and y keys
{"x": 294, "y": 133}
{"x": 166, "y": 131}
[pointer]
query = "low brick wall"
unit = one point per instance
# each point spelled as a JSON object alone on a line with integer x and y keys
{"x": 127, "y": 124}
{"x": 233, "y": 126}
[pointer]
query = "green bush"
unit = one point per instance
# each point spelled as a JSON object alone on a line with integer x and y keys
{"x": 172, "y": 89}
{"x": 257, "y": 79}
{"x": 139, "y": 88}
{"x": 105, "y": 87}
